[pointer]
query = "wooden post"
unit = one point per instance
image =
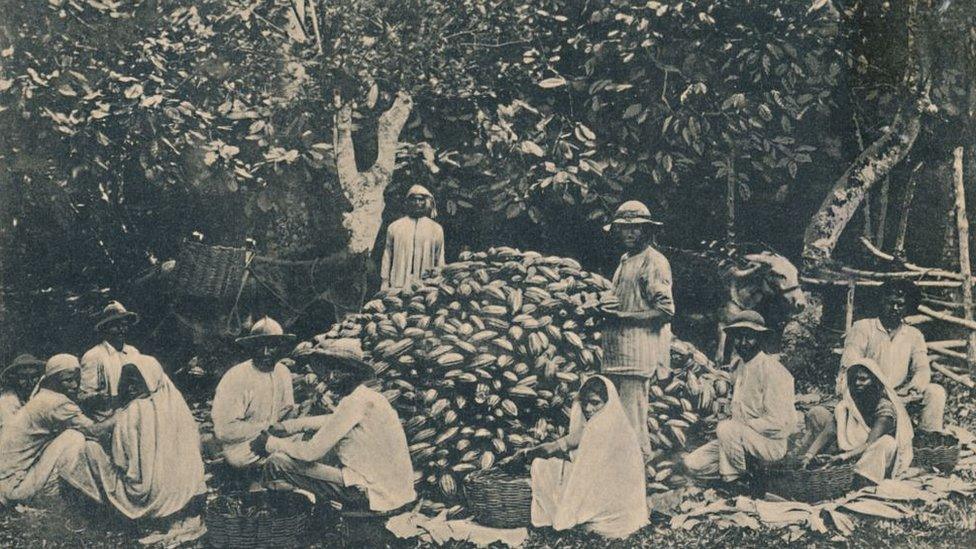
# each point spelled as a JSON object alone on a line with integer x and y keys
{"x": 962, "y": 226}
{"x": 882, "y": 212}
{"x": 849, "y": 312}
{"x": 905, "y": 209}
{"x": 730, "y": 202}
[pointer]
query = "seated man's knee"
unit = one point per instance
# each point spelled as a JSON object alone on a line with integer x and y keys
{"x": 728, "y": 430}
{"x": 72, "y": 438}
{"x": 818, "y": 418}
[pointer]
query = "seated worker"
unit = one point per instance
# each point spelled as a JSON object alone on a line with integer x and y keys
{"x": 45, "y": 439}
{"x": 900, "y": 353}
{"x": 253, "y": 395}
{"x": 870, "y": 424}
{"x": 763, "y": 412}
{"x": 601, "y": 485}
{"x": 16, "y": 382}
{"x": 358, "y": 455}
{"x": 154, "y": 468}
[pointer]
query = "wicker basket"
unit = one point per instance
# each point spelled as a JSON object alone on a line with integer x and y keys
{"x": 793, "y": 482}
{"x": 499, "y": 500}
{"x": 209, "y": 272}
{"x": 286, "y": 527}
{"x": 942, "y": 455}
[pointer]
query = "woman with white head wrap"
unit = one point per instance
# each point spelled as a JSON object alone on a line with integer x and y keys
{"x": 414, "y": 243}
{"x": 601, "y": 486}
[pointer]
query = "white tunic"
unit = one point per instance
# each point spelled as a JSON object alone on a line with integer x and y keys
{"x": 413, "y": 247}
{"x": 101, "y": 367}
{"x": 247, "y": 402}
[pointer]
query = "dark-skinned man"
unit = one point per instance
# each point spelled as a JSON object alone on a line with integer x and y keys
{"x": 45, "y": 439}
{"x": 763, "y": 415}
{"x": 637, "y": 340}
{"x": 253, "y": 395}
{"x": 102, "y": 364}
{"x": 900, "y": 352}
{"x": 414, "y": 243}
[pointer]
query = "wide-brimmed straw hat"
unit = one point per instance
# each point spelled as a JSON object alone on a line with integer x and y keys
{"x": 632, "y": 212}
{"x": 747, "y": 320}
{"x": 116, "y": 312}
{"x": 345, "y": 354}
{"x": 266, "y": 331}
{"x": 21, "y": 363}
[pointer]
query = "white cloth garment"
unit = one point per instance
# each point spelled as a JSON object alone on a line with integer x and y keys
{"x": 247, "y": 402}
{"x": 853, "y": 431}
{"x": 29, "y": 457}
{"x": 9, "y": 404}
{"x": 413, "y": 247}
{"x": 155, "y": 467}
{"x": 101, "y": 366}
{"x": 603, "y": 488}
{"x": 763, "y": 418}
{"x": 368, "y": 441}
{"x": 641, "y": 283}
{"x": 902, "y": 356}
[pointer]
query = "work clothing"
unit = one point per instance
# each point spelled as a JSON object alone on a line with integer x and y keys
{"x": 413, "y": 247}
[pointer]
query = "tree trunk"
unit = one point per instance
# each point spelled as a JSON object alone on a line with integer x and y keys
{"x": 365, "y": 189}
{"x": 873, "y": 164}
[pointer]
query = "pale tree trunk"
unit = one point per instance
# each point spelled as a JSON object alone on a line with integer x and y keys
{"x": 850, "y": 189}
{"x": 365, "y": 189}
{"x": 878, "y": 159}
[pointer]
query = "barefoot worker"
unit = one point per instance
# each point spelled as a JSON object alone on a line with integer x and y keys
{"x": 254, "y": 394}
{"x": 598, "y": 483}
{"x": 763, "y": 412}
{"x": 357, "y": 455}
{"x": 870, "y": 424}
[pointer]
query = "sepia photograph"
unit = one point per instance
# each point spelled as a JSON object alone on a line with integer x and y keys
{"x": 487, "y": 273}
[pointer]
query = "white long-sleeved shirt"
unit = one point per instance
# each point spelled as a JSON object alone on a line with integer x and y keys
{"x": 247, "y": 402}
{"x": 764, "y": 397}
{"x": 900, "y": 353}
{"x": 368, "y": 440}
{"x": 101, "y": 367}
{"x": 413, "y": 246}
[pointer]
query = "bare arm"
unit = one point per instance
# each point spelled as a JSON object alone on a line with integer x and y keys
{"x": 334, "y": 428}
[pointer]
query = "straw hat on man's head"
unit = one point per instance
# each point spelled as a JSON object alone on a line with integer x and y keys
{"x": 344, "y": 354}
{"x": 632, "y": 212}
{"x": 266, "y": 331}
{"x": 115, "y": 312}
{"x": 25, "y": 364}
{"x": 747, "y": 321}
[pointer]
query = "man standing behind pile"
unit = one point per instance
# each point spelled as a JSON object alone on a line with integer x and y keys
{"x": 414, "y": 243}
{"x": 637, "y": 343}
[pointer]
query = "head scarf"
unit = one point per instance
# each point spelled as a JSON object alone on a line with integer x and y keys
{"x": 420, "y": 190}
{"x": 56, "y": 364}
{"x": 606, "y": 488}
{"x": 155, "y": 467}
{"x": 853, "y": 431}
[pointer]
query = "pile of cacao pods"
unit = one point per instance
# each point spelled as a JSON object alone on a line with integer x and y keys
{"x": 484, "y": 357}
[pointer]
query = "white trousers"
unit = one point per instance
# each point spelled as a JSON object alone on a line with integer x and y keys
{"x": 59, "y": 456}
{"x": 726, "y": 456}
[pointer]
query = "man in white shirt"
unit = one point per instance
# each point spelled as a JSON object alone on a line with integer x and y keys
{"x": 102, "y": 364}
{"x": 357, "y": 455}
{"x": 900, "y": 351}
{"x": 253, "y": 395}
{"x": 763, "y": 408}
{"x": 414, "y": 243}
